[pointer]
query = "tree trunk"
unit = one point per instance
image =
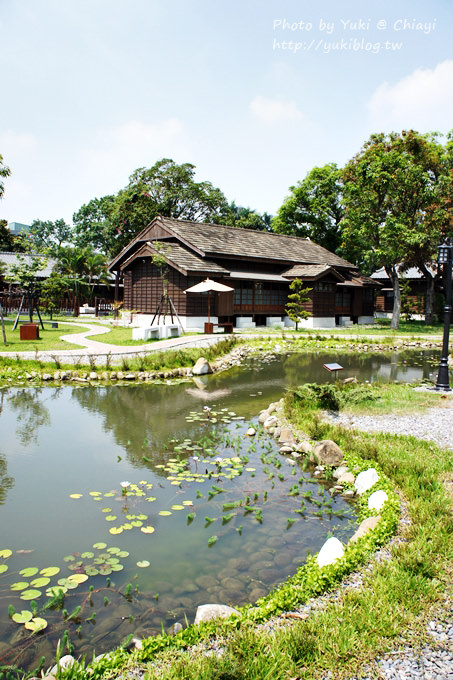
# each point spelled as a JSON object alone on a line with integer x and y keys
{"x": 429, "y": 301}
{"x": 393, "y": 276}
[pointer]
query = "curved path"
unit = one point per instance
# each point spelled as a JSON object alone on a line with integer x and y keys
{"x": 100, "y": 351}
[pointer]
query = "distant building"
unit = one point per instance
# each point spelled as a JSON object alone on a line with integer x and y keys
{"x": 17, "y": 228}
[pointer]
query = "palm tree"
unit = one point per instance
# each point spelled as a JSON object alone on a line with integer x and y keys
{"x": 71, "y": 264}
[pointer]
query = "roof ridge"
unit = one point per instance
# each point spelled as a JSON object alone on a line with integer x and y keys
{"x": 228, "y": 226}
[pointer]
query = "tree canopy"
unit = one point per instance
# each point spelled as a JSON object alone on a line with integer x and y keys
{"x": 391, "y": 189}
{"x": 314, "y": 208}
{"x": 166, "y": 189}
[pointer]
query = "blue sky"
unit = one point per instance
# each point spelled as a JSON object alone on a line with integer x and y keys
{"x": 254, "y": 93}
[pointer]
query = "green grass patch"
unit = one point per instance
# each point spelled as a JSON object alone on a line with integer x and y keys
{"x": 49, "y": 338}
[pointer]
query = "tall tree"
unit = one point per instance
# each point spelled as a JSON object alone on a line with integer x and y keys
{"x": 164, "y": 189}
{"x": 93, "y": 225}
{"x": 314, "y": 208}
{"x": 50, "y": 235}
{"x": 390, "y": 186}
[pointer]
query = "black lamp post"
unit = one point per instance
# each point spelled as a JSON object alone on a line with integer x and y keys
{"x": 445, "y": 259}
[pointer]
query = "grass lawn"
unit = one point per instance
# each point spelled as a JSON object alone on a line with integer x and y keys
{"x": 49, "y": 338}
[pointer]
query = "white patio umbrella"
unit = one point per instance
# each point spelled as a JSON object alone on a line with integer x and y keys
{"x": 207, "y": 286}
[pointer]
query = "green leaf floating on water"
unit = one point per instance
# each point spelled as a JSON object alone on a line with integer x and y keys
{"x": 6, "y": 553}
{"x": 29, "y": 571}
{"x": 19, "y": 585}
{"x": 3, "y": 568}
{"x": 23, "y": 617}
{"x": 143, "y": 564}
{"x": 30, "y": 594}
{"x": 99, "y": 546}
{"x": 49, "y": 571}
{"x": 212, "y": 540}
{"x": 40, "y": 582}
{"x": 36, "y": 625}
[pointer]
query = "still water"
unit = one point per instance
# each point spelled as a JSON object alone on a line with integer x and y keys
{"x": 116, "y": 495}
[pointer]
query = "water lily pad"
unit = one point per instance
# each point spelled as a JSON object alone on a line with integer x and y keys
{"x": 68, "y": 558}
{"x": 30, "y": 594}
{"x": 164, "y": 513}
{"x": 75, "y": 495}
{"x": 143, "y": 563}
{"x": 78, "y": 578}
{"x": 106, "y": 509}
{"x": 99, "y": 546}
{"x": 6, "y": 553}
{"x": 106, "y": 570}
{"x": 150, "y": 499}
{"x": 29, "y": 571}
{"x": 3, "y": 568}
{"x": 91, "y": 571}
{"x": 109, "y": 494}
{"x": 123, "y": 553}
{"x": 49, "y": 571}
{"x": 116, "y": 567}
{"x": 67, "y": 583}
{"x": 23, "y": 617}
{"x": 40, "y": 582}
{"x": 88, "y": 555}
{"x": 95, "y": 493}
{"x": 36, "y": 625}
{"x": 113, "y": 550}
{"x": 137, "y": 523}
{"x": 187, "y": 503}
{"x": 177, "y": 507}
{"x": 147, "y": 530}
{"x": 127, "y": 526}
{"x": 116, "y": 530}
{"x": 110, "y": 518}
{"x": 19, "y": 585}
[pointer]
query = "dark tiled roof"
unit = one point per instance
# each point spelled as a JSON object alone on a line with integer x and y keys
{"x": 310, "y": 271}
{"x": 215, "y": 239}
{"x": 12, "y": 260}
{"x": 181, "y": 258}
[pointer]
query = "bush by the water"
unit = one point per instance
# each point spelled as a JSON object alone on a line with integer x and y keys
{"x": 333, "y": 396}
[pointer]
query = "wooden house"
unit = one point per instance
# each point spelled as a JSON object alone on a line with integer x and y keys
{"x": 259, "y": 266}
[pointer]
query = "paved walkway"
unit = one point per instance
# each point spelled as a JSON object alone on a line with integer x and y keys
{"x": 101, "y": 350}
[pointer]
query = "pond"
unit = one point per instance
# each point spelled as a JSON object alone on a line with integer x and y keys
{"x": 123, "y": 508}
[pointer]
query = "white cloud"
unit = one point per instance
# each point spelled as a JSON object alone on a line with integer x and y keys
{"x": 274, "y": 111}
{"x": 423, "y": 101}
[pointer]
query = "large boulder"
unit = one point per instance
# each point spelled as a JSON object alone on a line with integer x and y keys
{"x": 331, "y": 550}
{"x": 377, "y": 500}
{"x": 365, "y": 480}
{"x": 364, "y": 527}
{"x": 285, "y": 435}
{"x": 327, "y": 453}
{"x": 202, "y": 367}
{"x": 206, "y": 612}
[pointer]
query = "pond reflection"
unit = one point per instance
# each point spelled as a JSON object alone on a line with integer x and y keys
{"x": 187, "y": 530}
